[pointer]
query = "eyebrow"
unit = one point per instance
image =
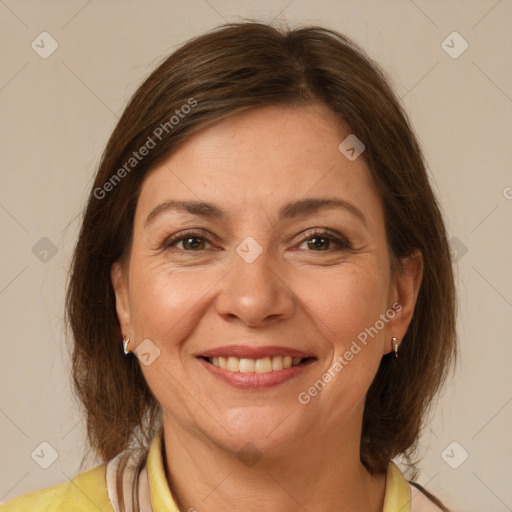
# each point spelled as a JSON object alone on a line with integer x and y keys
{"x": 299, "y": 208}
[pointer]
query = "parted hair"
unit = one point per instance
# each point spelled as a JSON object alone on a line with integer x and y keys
{"x": 229, "y": 70}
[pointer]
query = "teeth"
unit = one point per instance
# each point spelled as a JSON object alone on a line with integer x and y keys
{"x": 233, "y": 364}
{"x": 264, "y": 365}
{"x": 277, "y": 363}
{"x": 247, "y": 365}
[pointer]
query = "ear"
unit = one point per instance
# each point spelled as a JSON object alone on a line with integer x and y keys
{"x": 404, "y": 293}
{"x": 119, "y": 278}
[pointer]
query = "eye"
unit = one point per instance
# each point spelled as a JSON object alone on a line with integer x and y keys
{"x": 194, "y": 243}
{"x": 322, "y": 241}
{"x": 191, "y": 241}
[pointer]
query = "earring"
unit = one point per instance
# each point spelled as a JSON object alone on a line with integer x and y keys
{"x": 395, "y": 343}
{"x": 126, "y": 340}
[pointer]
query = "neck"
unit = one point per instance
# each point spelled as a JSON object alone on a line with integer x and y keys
{"x": 317, "y": 474}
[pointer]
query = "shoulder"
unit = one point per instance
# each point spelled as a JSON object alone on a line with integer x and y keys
{"x": 86, "y": 491}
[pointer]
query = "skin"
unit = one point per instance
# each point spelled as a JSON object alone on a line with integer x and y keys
{"x": 311, "y": 296}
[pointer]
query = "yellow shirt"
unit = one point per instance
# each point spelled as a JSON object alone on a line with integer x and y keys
{"x": 95, "y": 490}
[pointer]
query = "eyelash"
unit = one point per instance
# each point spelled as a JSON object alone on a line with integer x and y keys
{"x": 341, "y": 241}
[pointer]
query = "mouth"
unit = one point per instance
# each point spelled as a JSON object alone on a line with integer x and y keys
{"x": 255, "y": 368}
{"x": 263, "y": 365}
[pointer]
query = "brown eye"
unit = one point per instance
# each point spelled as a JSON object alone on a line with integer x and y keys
{"x": 187, "y": 242}
{"x": 193, "y": 243}
{"x": 324, "y": 241}
{"x": 320, "y": 243}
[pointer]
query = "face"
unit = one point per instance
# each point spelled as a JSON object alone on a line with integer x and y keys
{"x": 259, "y": 289}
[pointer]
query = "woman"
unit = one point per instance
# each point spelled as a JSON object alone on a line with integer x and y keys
{"x": 261, "y": 296}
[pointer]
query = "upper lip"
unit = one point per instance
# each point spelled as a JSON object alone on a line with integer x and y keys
{"x": 250, "y": 352}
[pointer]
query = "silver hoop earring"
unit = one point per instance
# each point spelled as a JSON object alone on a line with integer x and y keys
{"x": 126, "y": 340}
{"x": 395, "y": 343}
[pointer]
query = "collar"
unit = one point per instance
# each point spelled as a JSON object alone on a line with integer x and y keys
{"x": 397, "y": 496}
{"x": 161, "y": 498}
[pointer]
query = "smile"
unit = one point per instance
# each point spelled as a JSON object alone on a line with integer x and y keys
{"x": 263, "y": 365}
{"x": 255, "y": 367}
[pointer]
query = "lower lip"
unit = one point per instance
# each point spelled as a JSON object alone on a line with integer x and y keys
{"x": 256, "y": 380}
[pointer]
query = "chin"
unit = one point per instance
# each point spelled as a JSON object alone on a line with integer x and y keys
{"x": 265, "y": 431}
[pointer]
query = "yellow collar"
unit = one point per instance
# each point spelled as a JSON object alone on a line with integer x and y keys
{"x": 398, "y": 492}
{"x": 397, "y": 497}
{"x": 161, "y": 498}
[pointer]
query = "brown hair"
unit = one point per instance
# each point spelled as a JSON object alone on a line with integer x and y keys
{"x": 235, "y": 68}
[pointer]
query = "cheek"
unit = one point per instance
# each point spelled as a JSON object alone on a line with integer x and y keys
{"x": 167, "y": 307}
{"x": 347, "y": 305}
{"x": 344, "y": 301}
{"x": 166, "y": 303}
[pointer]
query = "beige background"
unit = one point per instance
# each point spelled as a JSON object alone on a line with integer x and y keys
{"x": 58, "y": 112}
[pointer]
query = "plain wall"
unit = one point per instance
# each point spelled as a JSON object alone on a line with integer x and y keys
{"x": 58, "y": 112}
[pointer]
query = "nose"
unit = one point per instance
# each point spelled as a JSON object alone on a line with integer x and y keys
{"x": 254, "y": 293}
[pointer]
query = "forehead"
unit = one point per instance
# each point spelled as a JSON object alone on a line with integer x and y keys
{"x": 261, "y": 159}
